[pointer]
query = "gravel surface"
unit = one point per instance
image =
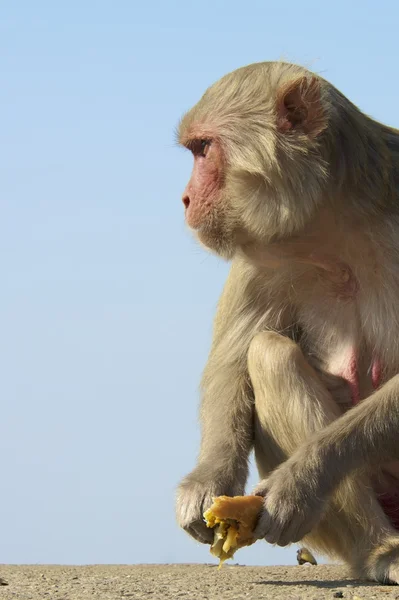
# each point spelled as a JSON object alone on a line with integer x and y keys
{"x": 191, "y": 582}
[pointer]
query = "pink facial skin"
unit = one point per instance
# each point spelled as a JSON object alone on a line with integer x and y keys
{"x": 203, "y": 189}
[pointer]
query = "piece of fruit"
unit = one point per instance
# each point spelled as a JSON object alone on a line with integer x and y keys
{"x": 305, "y": 556}
{"x": 233, "y": 519}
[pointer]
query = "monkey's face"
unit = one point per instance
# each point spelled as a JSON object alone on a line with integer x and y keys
{"x": 203, "y": 191}
{"x": 257, "y": 171}
{"x": 204, "y": 198}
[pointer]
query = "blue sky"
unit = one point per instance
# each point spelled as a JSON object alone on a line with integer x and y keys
{"x": 106, "y": 302}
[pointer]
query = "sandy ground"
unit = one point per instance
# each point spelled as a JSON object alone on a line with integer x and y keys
{"x": 194, "y": 582}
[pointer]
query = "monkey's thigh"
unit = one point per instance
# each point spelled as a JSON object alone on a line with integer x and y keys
{"x": 291, "y": 402}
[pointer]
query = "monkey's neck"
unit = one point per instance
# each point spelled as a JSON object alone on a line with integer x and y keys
{"x": 329, "y": 266}
{"x": 327, "y": 247}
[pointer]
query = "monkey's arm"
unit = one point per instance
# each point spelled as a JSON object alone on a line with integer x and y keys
{"x": 296, "y": 493}
{"x": 226, "y": 441}
{"x": 227, "y": 405}
{"x": 367, "y": 434}
{"x": 227, "y": 400}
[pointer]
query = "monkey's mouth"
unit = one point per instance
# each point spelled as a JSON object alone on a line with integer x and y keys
{"x": 198, "y": 216}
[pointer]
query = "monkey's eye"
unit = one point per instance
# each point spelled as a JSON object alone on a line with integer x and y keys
{"x": 204, "y": 147}
{"x": 199, "y": 146}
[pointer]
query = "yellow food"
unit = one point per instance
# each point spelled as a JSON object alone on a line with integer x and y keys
{"x": 233, "y": 519}
{"x": 305, "y": 556}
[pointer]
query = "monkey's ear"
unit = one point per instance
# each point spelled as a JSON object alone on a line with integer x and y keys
{"x": 299, "y": 107}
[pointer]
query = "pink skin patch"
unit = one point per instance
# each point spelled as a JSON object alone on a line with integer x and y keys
{"x": 203, "y": 189}
{"x": 351, "y": 375}
{"x": 376, "y": 371}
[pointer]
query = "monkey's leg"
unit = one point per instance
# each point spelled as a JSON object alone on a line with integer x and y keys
{"x": 290, "y": 404}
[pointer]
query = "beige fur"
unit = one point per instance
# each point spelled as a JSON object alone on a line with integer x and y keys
{"x": 308, "y": 213}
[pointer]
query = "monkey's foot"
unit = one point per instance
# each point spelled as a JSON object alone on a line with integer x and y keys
{"x": 383, "y": 563}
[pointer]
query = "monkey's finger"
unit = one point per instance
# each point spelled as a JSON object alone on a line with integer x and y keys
{"x": 281, "y": 543}
{"x": 261, "y": 489}
{"x": 200, "y": 532}
{"x": 279, "y": 531}
{"x": 194, "y": 534}
{"x": 287, "y": 538}
{"x": 273, "y": 537}
{"x": 276, "y": 537}
{"x": 204, "y": 533}
{"x": 263, "y": 525}
{"x": 294, "y": 532}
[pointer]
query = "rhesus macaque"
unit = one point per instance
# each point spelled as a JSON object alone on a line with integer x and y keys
{"x": 300, "y": 190}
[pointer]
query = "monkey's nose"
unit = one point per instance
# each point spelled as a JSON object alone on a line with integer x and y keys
{"x": 186, "y": 201}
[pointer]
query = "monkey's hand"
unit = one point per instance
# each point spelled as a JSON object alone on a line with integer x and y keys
{"x": 296, "y": 495}
{"x": 195, "y": 495}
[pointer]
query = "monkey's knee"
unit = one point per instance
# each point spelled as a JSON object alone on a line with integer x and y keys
{"x": 271, "y": 354}
{"x": 280, "y": 375}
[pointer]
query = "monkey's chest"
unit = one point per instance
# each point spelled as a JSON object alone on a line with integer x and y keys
{"x": 351, "y": 331}
{"x": 336, "y": 341}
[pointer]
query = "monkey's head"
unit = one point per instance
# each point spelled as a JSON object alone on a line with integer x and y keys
{"x": 260, "y": 167}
